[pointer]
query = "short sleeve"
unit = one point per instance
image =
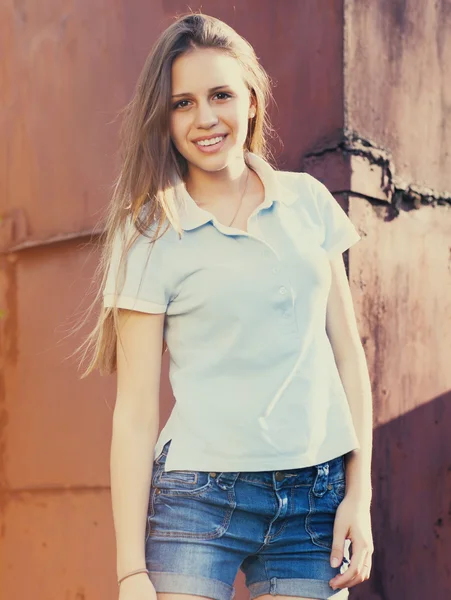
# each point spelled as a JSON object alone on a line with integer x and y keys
{"x": 339, "y": 232}
{"x": 145, "y": 285}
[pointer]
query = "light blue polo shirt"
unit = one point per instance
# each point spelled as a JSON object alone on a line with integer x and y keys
{"x": 252, "y": 370}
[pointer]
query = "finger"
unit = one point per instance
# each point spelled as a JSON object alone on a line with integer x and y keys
{"x": 362, "y": 571}
{"x": 366, "y": 570}
{"x": 359, "y": 555}
{"x": 355, "y": 573}
{"x": 365, "y": 573}
{"x": 338, "y": 544}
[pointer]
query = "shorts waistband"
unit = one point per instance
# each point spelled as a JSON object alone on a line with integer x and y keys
{"x": 319, "y": 476}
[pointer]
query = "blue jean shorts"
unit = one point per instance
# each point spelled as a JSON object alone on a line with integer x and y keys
{"x": 276, "y": 526}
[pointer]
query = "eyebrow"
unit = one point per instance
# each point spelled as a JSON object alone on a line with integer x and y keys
{"x": 210, "y": 91}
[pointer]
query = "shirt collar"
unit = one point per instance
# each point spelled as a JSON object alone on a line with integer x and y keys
{"x": 192, "y": 216}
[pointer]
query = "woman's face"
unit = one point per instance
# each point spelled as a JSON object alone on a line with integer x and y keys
{"x": 209, "y": 100}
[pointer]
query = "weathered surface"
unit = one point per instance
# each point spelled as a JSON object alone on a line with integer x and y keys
{"x": 400, "y": 274}
{"x": 398, "y": 95}
{"x": 58, "y": 544}
{"x": 398, "y": 84}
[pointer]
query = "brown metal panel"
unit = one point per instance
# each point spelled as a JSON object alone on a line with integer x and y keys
{"x": 412, "y": 479}
{"x": 67, "y": 69}
{"x": 58, "y": 428}
{"x": 401, "y": 284}
{"x": 58, "y": 545}
{"x": 398, "y": 84}
{"x": 400, "y": 273}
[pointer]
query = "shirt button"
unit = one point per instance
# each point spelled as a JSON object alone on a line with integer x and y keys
{"x": 283, "y": 290}
{"x": 275, "y": 269}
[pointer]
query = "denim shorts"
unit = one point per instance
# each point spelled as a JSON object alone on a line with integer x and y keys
{"x": 276, "y": 526}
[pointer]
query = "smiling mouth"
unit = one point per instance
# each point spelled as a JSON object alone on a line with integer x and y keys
{"x": 211, "y": 142}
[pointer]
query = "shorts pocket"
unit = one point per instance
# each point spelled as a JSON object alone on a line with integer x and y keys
{"x": 181, "y": 482}
{"x": 189, "y": 505}
{"x": 320, "y": 519}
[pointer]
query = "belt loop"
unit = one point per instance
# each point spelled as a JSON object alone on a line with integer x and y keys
{"x": 161, "y": 458}
{"x": 226, "y": 480}
{"x": 321, "y": 480}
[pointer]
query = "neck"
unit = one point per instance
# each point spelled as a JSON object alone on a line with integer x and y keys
{"x": 209, "y": 188}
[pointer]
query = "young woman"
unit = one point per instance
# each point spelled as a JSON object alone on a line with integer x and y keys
{"x": 236, "y": 268}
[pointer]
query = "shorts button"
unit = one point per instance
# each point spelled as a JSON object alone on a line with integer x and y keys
{"x": 157, "y": 491}
{"x": 329, "y": 487}
{"x": 279, "y": 476}
{"x": 213, "y": 475}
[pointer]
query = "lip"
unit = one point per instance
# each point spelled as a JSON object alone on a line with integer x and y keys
{"x": 214, "y": 147}
{"x": 208, "y": 137}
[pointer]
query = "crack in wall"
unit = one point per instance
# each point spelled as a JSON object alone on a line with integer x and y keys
{"x": 401, "y": 196}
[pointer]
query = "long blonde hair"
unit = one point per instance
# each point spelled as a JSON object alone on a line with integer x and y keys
{"x": 143, "y": 193}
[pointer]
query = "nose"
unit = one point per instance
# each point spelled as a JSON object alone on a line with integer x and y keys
{"x": 205, "y": 116}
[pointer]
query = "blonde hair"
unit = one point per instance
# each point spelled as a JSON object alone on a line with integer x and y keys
{"x": 143, "y": 193}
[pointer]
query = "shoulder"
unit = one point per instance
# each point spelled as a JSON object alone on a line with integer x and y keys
{"x": 303, "y": 190}
{"x": 141, "y": 247}
{"x": 300, "y": 181}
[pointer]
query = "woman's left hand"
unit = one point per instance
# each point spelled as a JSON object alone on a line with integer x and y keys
{"x": 353, "y": 522}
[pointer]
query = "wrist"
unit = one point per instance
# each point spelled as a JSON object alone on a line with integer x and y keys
{"x": 358, "y": 477}
{"x": 127, "y": 564}
{"x": 362, "y": 496}
{"x": 134, "y": 573}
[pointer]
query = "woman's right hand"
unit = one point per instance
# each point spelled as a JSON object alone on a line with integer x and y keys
{"x": 137, "y": 587}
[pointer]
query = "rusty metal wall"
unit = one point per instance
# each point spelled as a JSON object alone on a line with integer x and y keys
{"x": 398, "y": 97}
{"x": 342, "y": 113}
{"x": 400, "y": 277}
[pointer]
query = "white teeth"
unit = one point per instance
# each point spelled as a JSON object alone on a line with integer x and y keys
{"x": 210, "y": 142}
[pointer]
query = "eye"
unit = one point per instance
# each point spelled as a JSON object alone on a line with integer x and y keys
{"x": 223, "y": 94}
{"x": 177, "y": 104}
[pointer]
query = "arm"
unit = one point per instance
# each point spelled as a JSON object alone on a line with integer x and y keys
{"x": 351, "y": 362}
{"x": 135, "y": 431}
{"x": 352, "y": 520}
